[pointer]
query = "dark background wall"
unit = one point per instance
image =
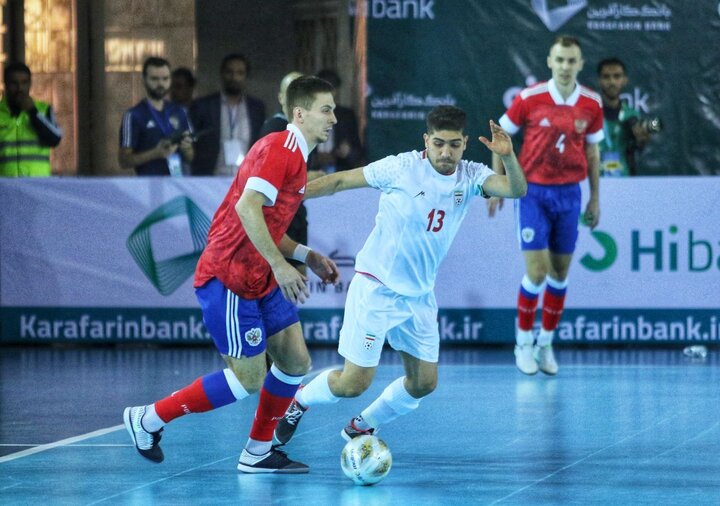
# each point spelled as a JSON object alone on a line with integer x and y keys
{"x": 263, "y": 31}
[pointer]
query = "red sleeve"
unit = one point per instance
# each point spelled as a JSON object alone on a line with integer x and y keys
{"x": 271, "y": 164}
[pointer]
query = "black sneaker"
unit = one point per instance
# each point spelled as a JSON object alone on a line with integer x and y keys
{"x": 147, "y": 443}
{"x": 274, "y": 461}
{"x": 288, "y": 424}
{"x": 351, "y": 431}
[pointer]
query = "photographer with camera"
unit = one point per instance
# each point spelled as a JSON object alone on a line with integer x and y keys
{"x": 625, "y": 131}
{"x": 155, "y": 135}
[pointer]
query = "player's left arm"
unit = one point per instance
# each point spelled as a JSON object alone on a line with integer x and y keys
{"x": 321, "y": 265}
{"x": 512, "y": 184}
{"x": 249, "y": 210}
{"x": 592, "y": 210}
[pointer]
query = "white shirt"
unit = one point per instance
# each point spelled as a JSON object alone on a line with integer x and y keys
{"x": 420, "y": 211}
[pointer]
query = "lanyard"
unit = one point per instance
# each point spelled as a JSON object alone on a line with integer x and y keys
{"x": 162, "y": 123}
{"x": 233, "y": 112}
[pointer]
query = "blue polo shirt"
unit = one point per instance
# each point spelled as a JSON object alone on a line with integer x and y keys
{"x": 142, "y": 128}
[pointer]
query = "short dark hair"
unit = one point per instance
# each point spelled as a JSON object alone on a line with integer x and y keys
{"x": 235, "y": 56}
{"x": 446, "y": 117}
{"x": 154, "y": 61}
{"x": 302, "y": 91}
{"x": 11, "y": 68}
{"x": 567, "y": 41}
{"x": 184, "y": 73}
{"x": 330, "y": 76}
{"x": 611, "y": 61}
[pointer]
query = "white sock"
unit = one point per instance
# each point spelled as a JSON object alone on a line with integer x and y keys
{"x": 151, "y": 422}
{"x": 316, "y": 392}
{"x": 393, "y": 402}
{"x": 258, "y": 447}
{"x": 545, "y": 337}
{"x": 524, "y": 337}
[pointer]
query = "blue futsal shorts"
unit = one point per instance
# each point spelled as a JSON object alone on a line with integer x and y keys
{"x": 547, "y": 217}
{"x": 240, "y": 327}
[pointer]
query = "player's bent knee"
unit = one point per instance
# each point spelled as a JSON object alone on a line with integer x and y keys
{"x": 422, "y": 388}
{"x": 352, "y": 385}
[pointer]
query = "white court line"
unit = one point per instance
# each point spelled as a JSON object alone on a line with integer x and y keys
{"x": 62, "y": 442}
{"x": 99, "y": 432}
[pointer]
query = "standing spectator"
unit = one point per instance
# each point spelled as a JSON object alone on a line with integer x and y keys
{"x": 182, "y": 87}
{"x": 248, "y": 292}
{"x": 624, "y": 132}
{"x": 232, "y": 119}
{"x": 563, "y": 125}
{"x": 279, "y": 121}
{"x": 155, "y": 133}
{"x": 344, "y": 150}
{"x": 27, "y": 127}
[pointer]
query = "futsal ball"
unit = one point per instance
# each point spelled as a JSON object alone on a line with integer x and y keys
{"x": 366, "y": 460}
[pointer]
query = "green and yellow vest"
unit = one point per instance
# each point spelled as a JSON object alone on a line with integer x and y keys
{"x": 21, "y": 154}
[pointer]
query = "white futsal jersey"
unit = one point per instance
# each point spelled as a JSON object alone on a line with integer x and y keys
{"x": 420, "y": 212}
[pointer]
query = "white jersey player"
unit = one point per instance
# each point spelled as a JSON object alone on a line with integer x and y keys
{"x": 425, "y": 198}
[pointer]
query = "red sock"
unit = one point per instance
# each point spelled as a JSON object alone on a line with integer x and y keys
{"x": 553, "y": 304}
{"x": 191, "y": 399}
{"x": 275, "y": 396}
{"x": 527, "y": 304}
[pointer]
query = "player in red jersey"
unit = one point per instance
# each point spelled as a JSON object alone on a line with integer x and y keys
{"x": 248, "y": 291}
{"x": 563, "y": 124}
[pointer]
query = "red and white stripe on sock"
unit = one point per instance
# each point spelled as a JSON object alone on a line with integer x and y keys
{"x": 276, "y": 395}
{"x": 208, "y": 392}
{"x": 553, "y": 303}
{"x": 527, "y": 303}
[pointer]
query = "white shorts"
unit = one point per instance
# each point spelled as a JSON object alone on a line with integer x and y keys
{"x": 374, "y": 313}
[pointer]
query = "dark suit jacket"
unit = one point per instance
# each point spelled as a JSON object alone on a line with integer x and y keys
{"x": 205, "y": 115}
{"x": 346, "y": 130}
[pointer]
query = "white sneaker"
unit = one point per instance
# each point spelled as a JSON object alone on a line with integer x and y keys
{"x": 546, "y": 359}
{"x": 524, "y": 359}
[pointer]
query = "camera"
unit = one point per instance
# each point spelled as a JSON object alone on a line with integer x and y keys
{"x": 652, "y": 125}
{"x": 177, "y": 137}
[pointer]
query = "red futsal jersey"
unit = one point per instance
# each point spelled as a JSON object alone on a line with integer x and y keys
{"x": 556, "y": 131}
{"x": 275, "y": 166}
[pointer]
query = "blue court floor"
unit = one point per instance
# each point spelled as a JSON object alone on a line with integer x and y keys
{"x": 625, "y": 427}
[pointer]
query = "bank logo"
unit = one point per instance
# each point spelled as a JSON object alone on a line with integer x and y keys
{"x": 555, "y": 18}
{"x": 168, "y": 274}
{"x": 609, "y": 248}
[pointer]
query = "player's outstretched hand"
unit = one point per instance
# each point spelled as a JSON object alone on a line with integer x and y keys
{"x": 500, "y": 143}
{"x": 323, "y": 267}
{"x": 292, "y": 283}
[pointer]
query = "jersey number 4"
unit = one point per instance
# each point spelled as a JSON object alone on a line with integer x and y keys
{"x": 435, "y": 220}
{"x": 560, "y": 144}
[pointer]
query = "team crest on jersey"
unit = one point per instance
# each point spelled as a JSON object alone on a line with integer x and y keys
{"x": 369, "y": 341}
{"x": 527, "y": 234}
{"x": 580, "y": 125}
{"x": 174, "y": 122}
{"x": 253, "y": 336}
{"x": 458, "y": 198}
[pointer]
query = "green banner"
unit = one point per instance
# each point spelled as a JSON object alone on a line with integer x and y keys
{"x": 478, "y": 55}
{"x": 322, "y": 326}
